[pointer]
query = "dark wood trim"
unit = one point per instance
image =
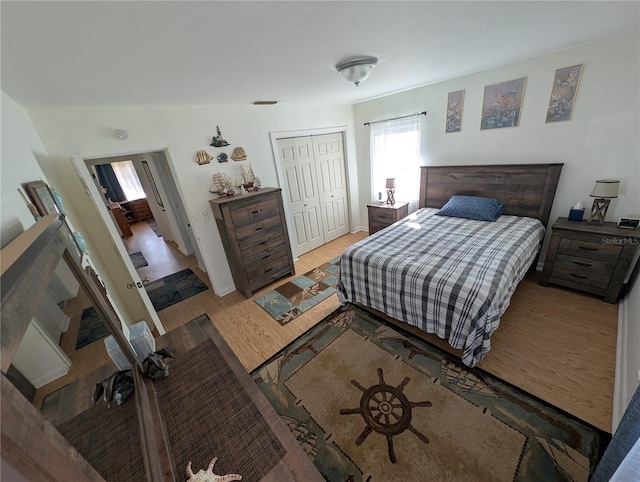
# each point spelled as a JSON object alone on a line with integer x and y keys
{"x": 19, "y": 255}
{"x": 32, "y": 446}
{"x": 524, "y": 189}
{"x": 28, "y": 277}
{"x": 30, "y": 443}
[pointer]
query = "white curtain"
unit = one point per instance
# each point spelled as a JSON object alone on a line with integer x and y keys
{"x": 128, "y": 179}
{"x": 396, "y": 152}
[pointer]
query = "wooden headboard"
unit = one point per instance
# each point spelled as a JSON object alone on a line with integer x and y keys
{"x": 524, "y": 189}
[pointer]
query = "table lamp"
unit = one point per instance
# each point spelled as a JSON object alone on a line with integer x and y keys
{"x": 391, "y": 187}
{"x": 603, "y": 192}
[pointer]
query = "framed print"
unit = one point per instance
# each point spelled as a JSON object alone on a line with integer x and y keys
{"x": 563, "y": 93}
{"x": 455, "y": 104}
{"x": 502, "y": 104}
{"x": 44, "y": 201}
{"x": 41, "y": 196}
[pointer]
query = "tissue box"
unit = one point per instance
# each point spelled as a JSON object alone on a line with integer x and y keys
{"x": 115, "y": 352}
{"x": 576, "y": 214}
{"x": 141, "y": 340}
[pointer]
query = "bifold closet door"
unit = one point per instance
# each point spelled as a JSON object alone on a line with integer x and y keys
{"x": 296, "y": 156}
{"x": 332, "y": 187}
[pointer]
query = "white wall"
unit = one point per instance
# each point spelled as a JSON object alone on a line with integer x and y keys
{"x": 601, "y": 141}
{"x": 20, "y": 144}
{"x": 89, "y": 132}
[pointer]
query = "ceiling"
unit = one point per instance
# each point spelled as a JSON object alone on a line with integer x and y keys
{"x": 233, "y": 53}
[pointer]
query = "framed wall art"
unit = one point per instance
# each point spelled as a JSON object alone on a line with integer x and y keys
{"x": 502, "y": 104}
{"x": 563, "y": 93}
{"x": 455, "y": 105}
{"x": 40, "y": 195}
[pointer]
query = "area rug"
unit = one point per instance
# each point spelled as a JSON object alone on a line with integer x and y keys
{"x": 154, "y": 226}
{"x": 206, "y": 412}
{"x": 92, "y": 327}
{"x": 174, "y": 288}
{"x": 369, "y": 403}
{"x": 288, "y": 301}
{"x": 109, "y": 439}
{"x": 138, "y": 259}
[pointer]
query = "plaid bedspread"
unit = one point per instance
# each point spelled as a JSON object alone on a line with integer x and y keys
{"x": 449, "y": 276}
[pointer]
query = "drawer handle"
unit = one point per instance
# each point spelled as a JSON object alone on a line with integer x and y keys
{"x": 581, "y": 264}
{"x": 263, "y": 242}
{"x": 256, "y": 211}
{"x": 587, "y": 249}
{"x": 267, "y": 256}
{"x": 258, "y": 229}
{"x": 578, "y": 276}
{"x": 267, "y": 270}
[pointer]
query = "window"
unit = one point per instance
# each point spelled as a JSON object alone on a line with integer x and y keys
{"x": 128, "y": 179}
{"x": 396, "y": 152}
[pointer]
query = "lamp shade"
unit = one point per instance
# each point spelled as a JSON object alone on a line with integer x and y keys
{"x": 356, "y": 69}
{"x": 391, "y": 183}
{"x": 605, "y": 189}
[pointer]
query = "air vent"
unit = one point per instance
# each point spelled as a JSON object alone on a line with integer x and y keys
{"x": 264, "y": 102}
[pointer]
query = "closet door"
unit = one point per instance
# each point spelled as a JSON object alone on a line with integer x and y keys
{"x": 332, "y": 188}
{"x": 296, "y": 155}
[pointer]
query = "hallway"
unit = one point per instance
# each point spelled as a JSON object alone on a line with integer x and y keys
{"x": 163, "y": 258}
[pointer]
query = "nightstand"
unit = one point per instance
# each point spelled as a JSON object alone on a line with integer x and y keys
{"x": 383, "y": 215}
{"x": 590, "y": 257}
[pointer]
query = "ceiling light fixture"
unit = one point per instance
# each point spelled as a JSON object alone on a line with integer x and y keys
{"x": 357, "y": 69}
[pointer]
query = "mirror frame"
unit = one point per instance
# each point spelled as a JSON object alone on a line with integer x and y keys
{"x": 30, "y": 443}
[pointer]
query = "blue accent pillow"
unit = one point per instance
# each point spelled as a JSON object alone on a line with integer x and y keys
{"x": 472, "y": 207}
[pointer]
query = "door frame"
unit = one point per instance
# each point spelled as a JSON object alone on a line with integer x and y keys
{"x": 277, "y": 135}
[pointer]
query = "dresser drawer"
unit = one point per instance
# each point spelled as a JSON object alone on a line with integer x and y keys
{"x": 583, "y": 270}
{"x": 264, "y": 273}
{"x": 589, "y": 249}
{"x": 259, "y": 228}
{"x": 385, "y": 216}
{"x": 378, "y": 225}
{"x": 263, "y": 253}
{"x": 252, "y": 213}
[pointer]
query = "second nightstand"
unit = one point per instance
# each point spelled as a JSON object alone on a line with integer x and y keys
{"x": 590, "y": 257}
{"x": 383, "y": 215}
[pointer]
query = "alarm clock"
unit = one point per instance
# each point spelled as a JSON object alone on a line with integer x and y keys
{"x": 628, "y": 223}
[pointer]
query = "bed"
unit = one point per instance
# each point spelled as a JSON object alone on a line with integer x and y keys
{"x": 451, "y": 276}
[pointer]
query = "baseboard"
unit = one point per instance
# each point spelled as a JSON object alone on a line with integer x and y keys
{"x": 225, "y": 291}
{"x": 360, "y": 228}
{"x": 620, "y": 398}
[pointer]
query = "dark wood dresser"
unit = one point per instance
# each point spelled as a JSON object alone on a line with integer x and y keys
{"x": 255, "y": 238}
{"x": 383, "y": 215}
{"x": 590, "y": 257}
{"x": 140, "y": 209}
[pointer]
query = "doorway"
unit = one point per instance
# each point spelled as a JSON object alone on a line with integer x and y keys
{"x": 313, "y": 176}
{"x": 159, "y": 205}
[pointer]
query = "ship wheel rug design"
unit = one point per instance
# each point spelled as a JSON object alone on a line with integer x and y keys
{"x": 386, "y": 410}
{"x": 370, "y": 403}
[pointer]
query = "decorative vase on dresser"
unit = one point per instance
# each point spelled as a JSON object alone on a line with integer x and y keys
{"x": 254, "y": 234}
{"x": 590, "y": 257}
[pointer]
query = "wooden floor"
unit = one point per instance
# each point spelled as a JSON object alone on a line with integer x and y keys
{"x": 556, "y": 344}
